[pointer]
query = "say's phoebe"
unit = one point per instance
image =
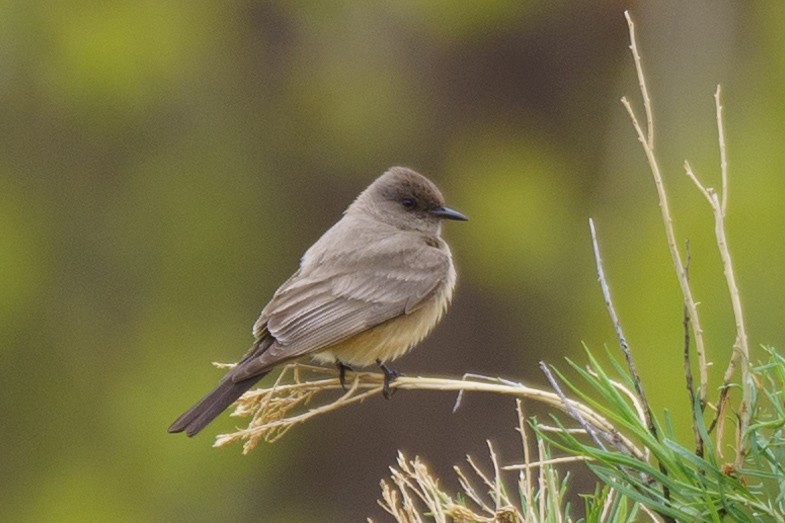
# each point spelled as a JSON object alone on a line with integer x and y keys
{"x": 367, "y": 291}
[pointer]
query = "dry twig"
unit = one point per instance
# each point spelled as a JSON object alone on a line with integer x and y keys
{"x": 741, "y": 351}
{"x": 625, "y": 347}
{"x": 647, "y": 142}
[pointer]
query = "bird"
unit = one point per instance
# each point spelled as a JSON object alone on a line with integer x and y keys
{"x": 367, "y": 291}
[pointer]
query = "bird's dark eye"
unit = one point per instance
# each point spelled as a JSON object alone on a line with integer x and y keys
{"x": 409, "y": 203}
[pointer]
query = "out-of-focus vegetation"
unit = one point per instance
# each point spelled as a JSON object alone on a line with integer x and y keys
{"x": 163, "y": 165}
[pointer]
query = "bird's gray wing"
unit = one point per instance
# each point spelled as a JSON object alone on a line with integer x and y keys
{"x": 340, "y": 299}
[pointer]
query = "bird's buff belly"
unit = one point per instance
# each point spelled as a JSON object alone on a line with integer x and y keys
{"x": 386, "y": 341}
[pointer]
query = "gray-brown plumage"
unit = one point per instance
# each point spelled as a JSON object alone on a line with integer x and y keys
{"x": 369, "y": 289}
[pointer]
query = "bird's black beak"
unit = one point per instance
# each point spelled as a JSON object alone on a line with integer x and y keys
{"x": 448, "y": 214}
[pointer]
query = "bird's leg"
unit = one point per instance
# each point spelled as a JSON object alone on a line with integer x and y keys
{"x": 389, "y": 375}
{"x": 342, "y": 368}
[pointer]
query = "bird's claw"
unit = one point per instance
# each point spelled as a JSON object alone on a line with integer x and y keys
{"x": 342, "y": 368}
{"x": 389, "y": 376}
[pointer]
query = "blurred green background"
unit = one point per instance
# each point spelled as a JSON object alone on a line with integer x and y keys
{"x": 163, "y": 165}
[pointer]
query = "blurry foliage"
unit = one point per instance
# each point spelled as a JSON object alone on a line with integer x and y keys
{"x": 164, "y": 164}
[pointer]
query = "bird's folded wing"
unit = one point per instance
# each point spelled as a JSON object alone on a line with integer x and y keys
{"x": 325, "y": 306}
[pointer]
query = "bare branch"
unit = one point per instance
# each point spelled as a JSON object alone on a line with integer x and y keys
{"x": 648, "y": 147}
{"x": 625, "y": 347}
{"x": 641, "y": 82}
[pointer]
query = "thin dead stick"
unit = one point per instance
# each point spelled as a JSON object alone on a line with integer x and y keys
{"x": 620, "y": 337}
{"x": 741, "y": 337}
{"x": 687, "y": 365}
{"x": 647, "y": 142}
{"x": 625, "y": 347}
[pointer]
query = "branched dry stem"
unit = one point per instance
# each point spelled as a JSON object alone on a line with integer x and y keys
{"x": 741, "y": 351}
{"x": 647, "y": 142}
{"x": 719, "y": 204}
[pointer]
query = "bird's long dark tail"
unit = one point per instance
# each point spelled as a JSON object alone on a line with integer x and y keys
{"x": 224, "y": 394}
{"x": 209, "y": 407}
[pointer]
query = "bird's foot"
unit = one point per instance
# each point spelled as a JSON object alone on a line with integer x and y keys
{"x": 389, "y": 376}
{"x": 342, "y": 368}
